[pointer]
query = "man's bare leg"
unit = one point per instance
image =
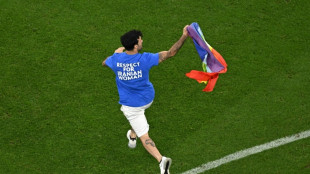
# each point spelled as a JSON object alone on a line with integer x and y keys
{"x": 149, "y": 145}
{"x": 133, "y": 134}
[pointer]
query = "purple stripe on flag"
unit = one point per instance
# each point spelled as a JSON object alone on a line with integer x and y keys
{"x": 212, "y": 62}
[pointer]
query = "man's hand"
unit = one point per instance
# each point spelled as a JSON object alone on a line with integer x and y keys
{"x": 119, "y": 50}
{"x": 185, "y": 32}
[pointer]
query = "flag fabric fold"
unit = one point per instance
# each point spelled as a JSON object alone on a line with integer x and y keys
{"x": 213, "y": 63}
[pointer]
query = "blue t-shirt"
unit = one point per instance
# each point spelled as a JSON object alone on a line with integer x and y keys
{"x": 132, "y": 77}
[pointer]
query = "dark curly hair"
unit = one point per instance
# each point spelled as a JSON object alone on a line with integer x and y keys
{"x": 130, "y": 39}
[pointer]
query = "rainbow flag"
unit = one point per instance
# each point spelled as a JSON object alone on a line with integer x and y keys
{"x": 213, "y": 63}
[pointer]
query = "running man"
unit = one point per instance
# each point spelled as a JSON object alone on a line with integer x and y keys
{"x": 136, "y": 92}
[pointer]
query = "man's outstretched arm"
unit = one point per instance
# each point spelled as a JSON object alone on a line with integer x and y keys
{"x": 164, "y": 55}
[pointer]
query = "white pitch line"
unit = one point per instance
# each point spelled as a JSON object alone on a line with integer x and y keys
{"x": 248, "y": 152}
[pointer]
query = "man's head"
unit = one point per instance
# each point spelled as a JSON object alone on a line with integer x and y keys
{"x": 132, "y": 40}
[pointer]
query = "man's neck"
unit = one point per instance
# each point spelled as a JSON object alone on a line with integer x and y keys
{"x": 132, "y": 52}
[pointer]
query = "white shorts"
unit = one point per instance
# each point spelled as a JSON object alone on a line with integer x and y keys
{"x": 136, "y": 118}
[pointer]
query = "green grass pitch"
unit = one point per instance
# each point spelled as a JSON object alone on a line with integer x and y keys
{"x": 59, "y": 110}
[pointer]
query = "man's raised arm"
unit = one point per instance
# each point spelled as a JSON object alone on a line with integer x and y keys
{"x": 164, "y": 55}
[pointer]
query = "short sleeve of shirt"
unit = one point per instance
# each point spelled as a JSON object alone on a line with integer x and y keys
{"x": 108, "y": 62}
{"x": 151, "y": 59}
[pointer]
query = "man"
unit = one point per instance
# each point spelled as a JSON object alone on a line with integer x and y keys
{"x": 136, "y": 92}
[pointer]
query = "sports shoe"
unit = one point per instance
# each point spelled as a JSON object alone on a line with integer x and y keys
{"x": 132, "y": 141}
{"x": 164, "y": 165}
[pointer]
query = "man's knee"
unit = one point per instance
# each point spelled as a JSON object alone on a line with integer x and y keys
{"x": 144, "y": 137}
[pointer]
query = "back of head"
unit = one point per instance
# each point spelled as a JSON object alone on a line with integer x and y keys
{"x": 130, "y": 39}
